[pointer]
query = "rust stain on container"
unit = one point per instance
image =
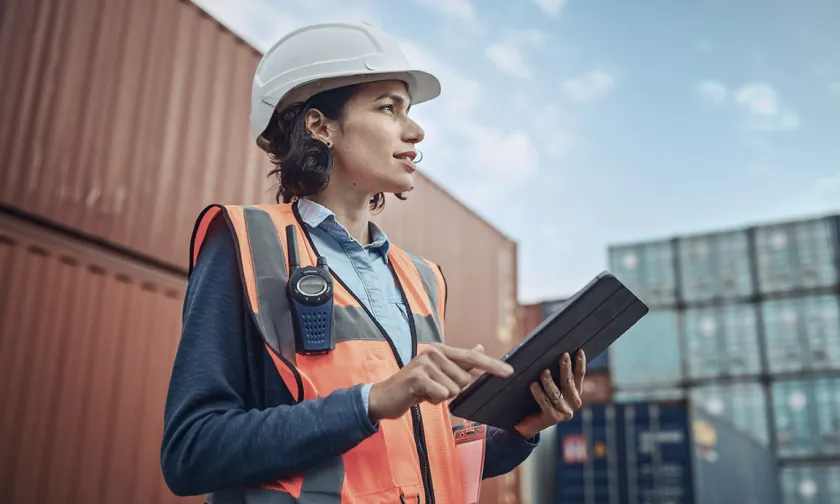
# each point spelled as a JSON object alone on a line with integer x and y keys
{"x": 88, "y": 342}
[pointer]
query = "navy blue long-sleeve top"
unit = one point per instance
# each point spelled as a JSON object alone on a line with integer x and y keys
{"x": 229, "y": 419}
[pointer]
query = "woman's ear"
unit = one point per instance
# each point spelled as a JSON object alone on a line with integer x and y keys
{"x": 317, "y": 125}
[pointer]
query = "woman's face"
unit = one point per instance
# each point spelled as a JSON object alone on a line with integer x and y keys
{"x": 374, "y": 144}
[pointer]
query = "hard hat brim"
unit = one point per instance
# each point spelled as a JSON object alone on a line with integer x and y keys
{"x": 422, "y": 87}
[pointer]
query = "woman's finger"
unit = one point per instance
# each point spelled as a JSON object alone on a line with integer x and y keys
{"x": 453, "y": 371}
{"x": 552, "y": 390}
{"x": 580, "y": 371}
{"x": 567, "y": 385}
{"x": 547, "y": 407}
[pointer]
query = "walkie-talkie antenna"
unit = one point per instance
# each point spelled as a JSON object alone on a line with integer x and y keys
{"x": 291, "y": 242}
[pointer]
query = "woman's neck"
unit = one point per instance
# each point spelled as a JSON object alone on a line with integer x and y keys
{"x": 351, "y": 210}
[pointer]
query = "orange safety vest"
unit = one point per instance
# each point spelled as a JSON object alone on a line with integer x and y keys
{"x": 409, "y": 457}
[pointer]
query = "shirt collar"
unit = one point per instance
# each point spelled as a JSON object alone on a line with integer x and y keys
{"x": 316, "y": 215}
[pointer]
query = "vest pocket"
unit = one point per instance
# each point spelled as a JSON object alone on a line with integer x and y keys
{"x": 388, "y": 459}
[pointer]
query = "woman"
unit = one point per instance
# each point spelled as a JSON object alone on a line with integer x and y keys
{"x": 275, "y": 396}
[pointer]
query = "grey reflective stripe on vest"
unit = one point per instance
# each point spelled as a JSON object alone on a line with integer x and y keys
{"x": 354, "y": 324}
{"x": 274, "y": 319}
{"x": 428, "y": 330}
{"x": 425, "y": 333}
{"x": 321, "y": 486}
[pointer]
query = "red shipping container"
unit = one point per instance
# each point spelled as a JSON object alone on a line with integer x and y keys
{"x": 87, "y": 348}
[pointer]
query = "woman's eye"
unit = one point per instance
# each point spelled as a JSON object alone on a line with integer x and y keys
{"x": 389, "y": 108}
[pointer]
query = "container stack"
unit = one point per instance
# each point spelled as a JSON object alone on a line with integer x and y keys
{"x": 746, "y": 323}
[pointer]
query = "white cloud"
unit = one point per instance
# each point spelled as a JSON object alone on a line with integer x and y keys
{"x": 459, "y": 95}
{"x": 500, "y": 160}
{"x": 460, "y": 9}
{"x": 551, "y": 7}
{"x": 491, "y": 159}
{"x": 507, "y": 53}
{"x": 530, "y": 36}
{"x": 763, "y": 109}
{"x": 508, "y": 59}
{"x": 590, "y": 86}
{"x": 713, "y": 91}
{"x": 758, "y": 98}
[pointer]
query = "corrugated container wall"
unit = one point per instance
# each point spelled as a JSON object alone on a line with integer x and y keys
{"x": 811, "y": 484}
{"x": 87, "y": 348}
{"x": 743, "y": 404}
{"x": 649, "y": 353}
{"x": 807, "y": 417}
{"x": 797, "y": 255}
{"x": 659, "y": 452}
{"x": 144, "y": 121}
{"x": 715, "y": 266}
{"x": 722, "y": 341}
{"x": 647, "y": 269}
{"x": 802, "y": 333}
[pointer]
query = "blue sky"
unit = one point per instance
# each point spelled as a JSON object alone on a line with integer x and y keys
{"x": 572, "y": 125}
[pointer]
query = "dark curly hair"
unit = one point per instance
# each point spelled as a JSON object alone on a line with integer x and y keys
{"x": 303, "y": 164}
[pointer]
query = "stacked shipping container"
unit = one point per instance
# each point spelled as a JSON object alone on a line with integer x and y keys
{"x": 143, "y": 122}
{"x": 747, "y": 322}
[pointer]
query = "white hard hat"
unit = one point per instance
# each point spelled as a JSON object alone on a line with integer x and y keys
{"x": 326, "y": 56}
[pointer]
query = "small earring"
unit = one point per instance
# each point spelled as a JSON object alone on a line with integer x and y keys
{"x": 329, "y": 144}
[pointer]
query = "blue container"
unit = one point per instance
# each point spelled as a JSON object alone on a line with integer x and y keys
{"x": 659, "y": 452}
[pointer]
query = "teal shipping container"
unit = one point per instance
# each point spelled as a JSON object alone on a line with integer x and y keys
{"x": 797, "y": 255}
{"x": 802, "y": 333}
{"x": 715, "y": 266}
{"x": 722, "y": 341}
{"x": 811, "y": 484}
{"x": 649, "y": 353}
{"x": 807, "y": 417}
{"x": 647, "y": 269}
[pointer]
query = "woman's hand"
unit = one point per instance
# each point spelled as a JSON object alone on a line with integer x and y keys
{"x": 436, "y": 375}
{"x": 557, "y": 404}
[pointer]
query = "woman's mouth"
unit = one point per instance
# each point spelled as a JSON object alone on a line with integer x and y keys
{"x": 408, "y": 159}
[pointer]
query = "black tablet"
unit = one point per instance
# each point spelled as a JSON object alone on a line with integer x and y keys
{"x": 591, "y": 319}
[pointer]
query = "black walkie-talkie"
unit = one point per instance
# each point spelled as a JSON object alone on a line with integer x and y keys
{"x": 310, "y": 292}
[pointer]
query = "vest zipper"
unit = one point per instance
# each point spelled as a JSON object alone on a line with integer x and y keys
{"x": 416, "y": 417}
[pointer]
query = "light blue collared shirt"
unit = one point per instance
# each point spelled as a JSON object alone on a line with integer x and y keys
{"x": 365, "y": 271}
